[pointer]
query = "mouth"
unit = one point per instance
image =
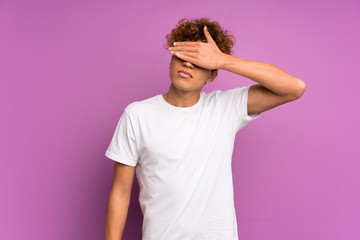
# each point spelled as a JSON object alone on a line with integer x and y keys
{"x": 184, "y": 74}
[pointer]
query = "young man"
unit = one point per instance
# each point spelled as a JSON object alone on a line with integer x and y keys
{"x": 180, "y": 144}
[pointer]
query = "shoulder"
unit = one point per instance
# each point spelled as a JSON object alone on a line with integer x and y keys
{"x": 135, "y": 108}
{"x": 227, "y": 94}
{"x": 234, "y": 91}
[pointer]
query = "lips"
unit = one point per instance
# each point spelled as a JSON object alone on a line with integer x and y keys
{"x": 185, "y": 73}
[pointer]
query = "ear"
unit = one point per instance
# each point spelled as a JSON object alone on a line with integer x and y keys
{"x": 213, "y": 75}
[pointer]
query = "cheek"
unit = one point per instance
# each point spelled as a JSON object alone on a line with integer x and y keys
{"x": 203, "y": 74}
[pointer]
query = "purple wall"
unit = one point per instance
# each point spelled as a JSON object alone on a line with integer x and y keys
{"x": 69, "y": 68}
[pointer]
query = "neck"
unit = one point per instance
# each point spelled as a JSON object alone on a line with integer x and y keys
{"x": 180, "y": 98}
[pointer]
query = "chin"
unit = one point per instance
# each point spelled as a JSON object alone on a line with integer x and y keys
{"x": 186, "y": 87}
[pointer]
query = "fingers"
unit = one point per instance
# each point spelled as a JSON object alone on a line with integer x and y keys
{"x": 184, "y": 54}
{"x": 186, "y": 43}
{"x": 184, "y": 49}
{"x": 208, "y": 35}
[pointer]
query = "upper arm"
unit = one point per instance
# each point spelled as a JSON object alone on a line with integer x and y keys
{"x": 261, "y": 99}
{"x": 123, "y": 178}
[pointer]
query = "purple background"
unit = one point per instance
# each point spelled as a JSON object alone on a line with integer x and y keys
{"x": 69, "y": 68}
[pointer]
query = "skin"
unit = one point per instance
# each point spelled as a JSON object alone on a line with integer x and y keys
{"x": 275, "y": 87}
{"x": 185, "y": 92}
{"x": 119, "y": 201}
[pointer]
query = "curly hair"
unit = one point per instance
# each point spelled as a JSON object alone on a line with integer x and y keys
{"x": 193, "y": 30}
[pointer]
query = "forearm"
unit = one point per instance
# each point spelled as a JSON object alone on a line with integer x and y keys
{"x": 268, "y": 75}
{"x": 118, "y": 206}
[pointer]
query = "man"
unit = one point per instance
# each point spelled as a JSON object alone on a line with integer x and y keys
{"x": 180, "y": 144}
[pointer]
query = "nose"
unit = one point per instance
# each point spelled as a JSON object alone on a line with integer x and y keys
{"x": 188, "y": 64}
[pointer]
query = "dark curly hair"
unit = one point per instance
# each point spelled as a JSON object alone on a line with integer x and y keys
{"x": 193, "y": 30}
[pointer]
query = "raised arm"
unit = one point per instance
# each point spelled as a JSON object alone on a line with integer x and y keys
{"x": 275, "y": 86}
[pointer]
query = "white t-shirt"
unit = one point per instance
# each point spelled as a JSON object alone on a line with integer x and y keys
{"x": 183, "y": 163}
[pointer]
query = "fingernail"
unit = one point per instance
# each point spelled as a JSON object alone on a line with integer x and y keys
{"x": 174, "y": 43}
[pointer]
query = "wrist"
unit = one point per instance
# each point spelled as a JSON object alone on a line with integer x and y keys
{"x": 230, "y": 63}
{"x": 224, "y": 61}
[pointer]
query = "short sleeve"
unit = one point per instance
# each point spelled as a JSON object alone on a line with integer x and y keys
{"x": 122, "y": 147}
{"x": 236, "y": 104}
